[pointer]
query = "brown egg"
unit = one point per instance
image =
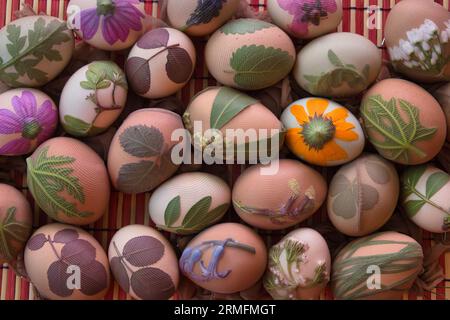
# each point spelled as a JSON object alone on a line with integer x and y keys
{"x": 381, "y": 266}
{"x": 69, "y": 181}
{"x": 363, "y": 195}
{"x": 143, "y": 263}
{"x": 403, "y": 121}
{"x": 442, "y": 95}
{"x": 226, "y": 258}
{"x": 15, "y": 223}
{"x": 139, "y": 158}
{"x": 67, "y": 263}
{"x": 285, "y": 197}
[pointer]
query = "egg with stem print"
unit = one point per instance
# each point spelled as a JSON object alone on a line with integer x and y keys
{"x": 322, "y": 132}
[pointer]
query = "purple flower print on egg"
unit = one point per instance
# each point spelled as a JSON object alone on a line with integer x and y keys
{"x": 34, "y": 124}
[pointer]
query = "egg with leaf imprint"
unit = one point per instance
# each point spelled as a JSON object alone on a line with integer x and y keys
{"x": 337, "y": 65}
{"x": 403, "y": 121}
{"x": 34, "y": 50}
{"x": 139, "y": 157}
{"x": 69, "y": 181}
{"x": 160, "y": 63}
{"x": 278, "y": 195}
{"x": 143, "y": 263}
{"x": 200, "y": 17}
{"x": 249, "y": 54}
{"x": 363, "y": 195}
{"x": 66, "y": 263}
{"x": 442, "y": 95}
{"x": 189, "y": 202}
{"x": 93, "y": 99}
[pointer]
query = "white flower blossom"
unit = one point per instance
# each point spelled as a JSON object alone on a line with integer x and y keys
{"x": 429, "y": 29}
{"x": 415, "y": 36}
{"x": 437, "y": 48}
{"x": 406, "y": 47}
{"x": 444, "y": 37}
{"x": 426, "y": 46}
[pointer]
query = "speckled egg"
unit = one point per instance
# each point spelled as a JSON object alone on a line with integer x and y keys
{"x": 417, "y": 37}
{"x": 363, "y": 195}
{"x": 322, "y": 132}
{"x": 144, "y": 263}
{"x": 139, "y": 158}
{"x": 306, "y": 19}
{"x": 225, "y": 258}
{"x": 403, "y": 121}
{"x": 200, "y": 17}
{"x": 249, "y": 54}
{"x": 66, "y": 263}
{"x": 286, "y": 197}
{"x": 34, "y": 50}
{"x": 442, "y": 95}
{"x": 28, "y": 117}
{"x": 299, "y": 266}
{"x": 69, "y": 181}
{"x": 337, "y": 65}
{"x": 189, "y": 202}
{"x": 161, "y": 63}
{"x": 107, "y": 24}
{"x": 93, "y": 99}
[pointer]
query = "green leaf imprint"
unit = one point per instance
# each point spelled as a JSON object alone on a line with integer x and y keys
{"x": 172, "y": 212}
{"x": 142, "y": 141}
{"x": 244, "y": 26}
{"x": 12, "y": 231}
{"x": 79, "y": 128}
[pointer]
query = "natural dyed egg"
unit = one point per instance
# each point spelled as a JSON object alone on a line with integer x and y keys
{"x": 322, "y": 132}
{"x": 288, "y": 196}
{"x": 417, "y": 38}
{"x": 425, "y": 198}
{"x": 249, "y": 54}
{"x": 338, "y": 65}
{"x": 442, "y": 95}
{"x": 139, "y": 158}
{"x": 200, "y": 17}
{"x": 66, "y": 263}
{"x": 306, "y": 19}
{"x": 143, "y": 263}
{"x": 34, "y": 50}
{"x": 403, "y": 121}
{"x": 299, "y": 266}
{"x": 160, "y": 63}
{"x": 225, "y": 258}
{"x": 15, "y": 223}
{"x": 363, "y": 195}
{"x": 107, "y": 24}
{"x": 28, "y": 117}
{"x": 69, "y": 181}
{"x": 189, "y": 202}
{"x": 381, "y": 266}
{"x": 93, "y": 99}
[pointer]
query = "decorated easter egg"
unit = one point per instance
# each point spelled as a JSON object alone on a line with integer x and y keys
{"x": 161, "y": 63}
{"x": 425, "y": 197}
{"x": 69, "y": 181}
{"x": 363, "y": 195}
{"x": 15, "y": 223}
{"x": 286, "y": 197}
{"x": 322, "y": 132}
{"x": 189, "y": 202}
{"x": 337, "y": 65}
{"x": 66, "y": 263}
{"x": 93, "y": 99}
{"x": 442, "y": 95}
{"x": 200, "y": 17}
{"x": 306, "y": 19}
{"x": 403, "y": 121}
{"x": 225, "y": 258}
{"x": 139, "y": 158}
{"x": 34, "y": 50}
{"x": 249, "y": 54}
{"x": 107, "y": 24}
{"x": 143, "y": 263}
{"x": 28, "y": 117}
{"x": 299, "y": 266}
{"x": 417, "y": 37}
{"x": 381, "y": 266}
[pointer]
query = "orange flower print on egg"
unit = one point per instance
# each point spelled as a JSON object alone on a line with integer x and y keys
{"x": 322, "y": 132}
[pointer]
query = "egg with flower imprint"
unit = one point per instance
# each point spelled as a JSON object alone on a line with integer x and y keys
{"x": 417, "y": 38}
{"x": 322, "y": 132}
{"x": 107, "y": 24}
{"x": 28, "y": 117}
